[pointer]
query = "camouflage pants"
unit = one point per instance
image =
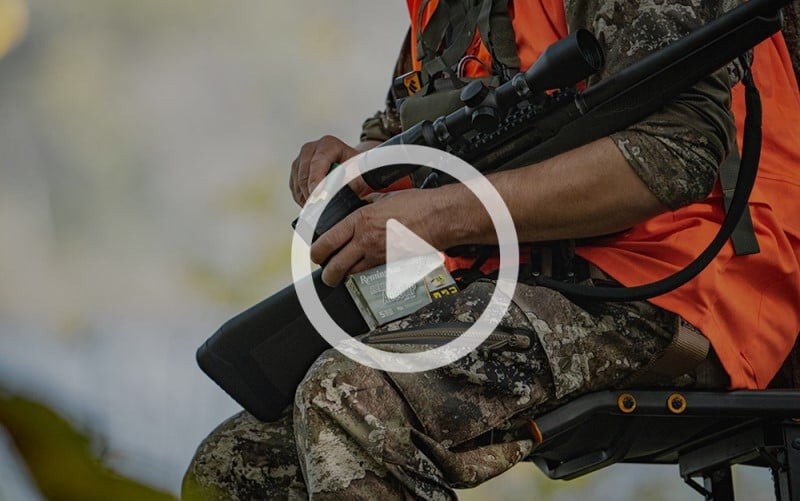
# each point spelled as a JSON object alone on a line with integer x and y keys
{"x": 359, "y": 433}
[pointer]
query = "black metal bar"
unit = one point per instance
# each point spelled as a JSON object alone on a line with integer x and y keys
{"x": 788, "y": 479}
{"x": 780, "y": 478}
{"x": 756, "y": 404}
{"x": 755, "y": 427}
{"x": 735, "y": 449}
{"x": 719, "y": 484}
{"x": 699, "y": 488}
{"x": 770, "y": 459}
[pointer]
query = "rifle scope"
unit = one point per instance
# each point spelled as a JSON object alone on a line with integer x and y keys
{"x": 563, "y": 64}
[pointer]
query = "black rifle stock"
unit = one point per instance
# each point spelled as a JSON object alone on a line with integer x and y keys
{"x": 259, "y": 356}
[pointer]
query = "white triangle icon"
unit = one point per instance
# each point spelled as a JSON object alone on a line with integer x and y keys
{"x": 408, "y": 259}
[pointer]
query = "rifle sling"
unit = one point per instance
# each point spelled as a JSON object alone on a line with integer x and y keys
{"x": 748, "y": 169}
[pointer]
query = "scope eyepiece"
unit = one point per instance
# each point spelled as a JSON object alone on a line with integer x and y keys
{"x": 566, "y": 62}
{"x": 591, "y": 52}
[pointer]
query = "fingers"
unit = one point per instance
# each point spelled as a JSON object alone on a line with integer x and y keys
{"x": 329, "y": 150}
{"x": 313, "y": 163}
{"x": 298, "y": 180}
{"x": 341, "y": 265}
{"x": 344, "y": 248}
{"x": 360, "y": 266}
{"x": 356, "y": 243}
{"x": 332, "y": 240}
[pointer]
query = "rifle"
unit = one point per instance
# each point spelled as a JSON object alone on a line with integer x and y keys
{"x": 260, "y": 356}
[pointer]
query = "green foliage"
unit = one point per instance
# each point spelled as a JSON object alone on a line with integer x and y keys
{"x": 59, "y": 457}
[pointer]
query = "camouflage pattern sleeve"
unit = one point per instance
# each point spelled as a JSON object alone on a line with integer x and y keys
{"x": 677, "y": 150}
{"x": 381, "y": 126}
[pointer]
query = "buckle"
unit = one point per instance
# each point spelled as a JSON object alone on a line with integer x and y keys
{"x": 407, "y": 84}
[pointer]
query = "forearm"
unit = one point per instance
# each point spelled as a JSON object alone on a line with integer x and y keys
{"x": 666, "y": 161}
{"x": 589, "y": 191}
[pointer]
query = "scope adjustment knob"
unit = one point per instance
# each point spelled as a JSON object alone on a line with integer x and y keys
{"x": 474, "y": 93}
{"x": 485, "y": 119}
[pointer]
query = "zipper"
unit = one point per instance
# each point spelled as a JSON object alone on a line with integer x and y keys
{"x": 444, "y": 333}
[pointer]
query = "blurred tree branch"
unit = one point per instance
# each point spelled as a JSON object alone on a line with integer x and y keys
{"x": 13, "y": 23}
{"x": 59, "y": 457}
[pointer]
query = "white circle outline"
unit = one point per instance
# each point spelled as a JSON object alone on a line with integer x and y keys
{"x": 507, "y": 273}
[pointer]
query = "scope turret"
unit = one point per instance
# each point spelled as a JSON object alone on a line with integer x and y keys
{"x": 474, "y": 93}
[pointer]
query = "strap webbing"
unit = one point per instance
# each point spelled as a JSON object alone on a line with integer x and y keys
{"x": 429, "y": 39}
{"x": 688, "y": 349}
{"x": 743, "y": 237}
{"x": 454, "y": 19}
{"x": 497, "y": 33}
{"x": 453, "y": 25}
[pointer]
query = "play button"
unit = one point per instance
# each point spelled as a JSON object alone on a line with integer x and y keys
{"x": 403, "y": 243}
{"x": 408, "y": 259}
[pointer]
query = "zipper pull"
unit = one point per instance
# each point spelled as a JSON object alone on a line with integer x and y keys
{"x": 516, "y": 341}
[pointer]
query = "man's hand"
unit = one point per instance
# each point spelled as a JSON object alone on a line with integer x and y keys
{"x": 314, "y": 161}
{"x": 358, "y": 242}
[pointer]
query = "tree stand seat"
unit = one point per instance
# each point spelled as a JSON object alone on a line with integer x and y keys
{"x": 703, "y": 432}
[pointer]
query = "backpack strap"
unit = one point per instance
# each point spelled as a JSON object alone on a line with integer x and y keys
{"x": 743, "y": 237}
{"x": 451, "y": 26}
{"x": 444, "y": 41}
{"x": 497, "y": 33}
{"x": 431, "y": 36}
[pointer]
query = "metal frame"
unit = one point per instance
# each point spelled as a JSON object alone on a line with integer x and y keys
{"x": 705, "y": 436}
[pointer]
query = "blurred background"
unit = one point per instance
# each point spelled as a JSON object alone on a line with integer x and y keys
{"x": 144, "y": 159}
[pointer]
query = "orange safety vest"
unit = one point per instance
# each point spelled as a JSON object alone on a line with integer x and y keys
{"x": 747, "y": 306}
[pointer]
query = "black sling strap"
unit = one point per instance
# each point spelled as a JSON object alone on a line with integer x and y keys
{"x": 748, "y": 170}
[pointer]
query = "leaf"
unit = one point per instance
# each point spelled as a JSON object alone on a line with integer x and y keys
{"x": 60, "y": 459}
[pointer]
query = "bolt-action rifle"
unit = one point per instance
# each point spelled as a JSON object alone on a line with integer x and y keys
{"x": 260, "y": 356}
